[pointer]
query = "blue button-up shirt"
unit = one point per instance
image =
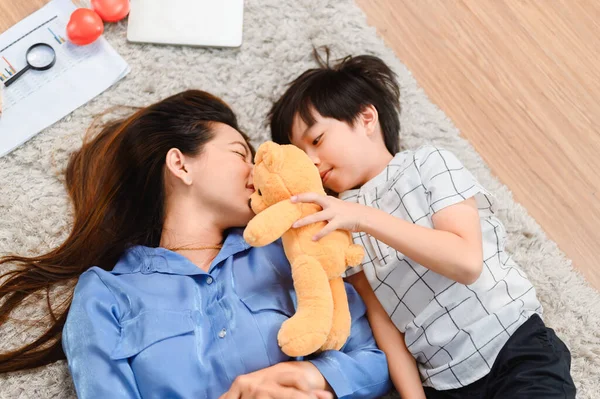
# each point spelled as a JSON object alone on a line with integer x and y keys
{"x": 158, "y": 326}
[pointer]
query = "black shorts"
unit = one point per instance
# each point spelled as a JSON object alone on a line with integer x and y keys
{"x": 534, "y": 363}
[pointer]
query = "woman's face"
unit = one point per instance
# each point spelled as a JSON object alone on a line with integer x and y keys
{"x": 222, "y": 177}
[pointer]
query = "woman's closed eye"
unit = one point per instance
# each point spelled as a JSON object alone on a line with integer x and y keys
{"x": 241, "y": 154}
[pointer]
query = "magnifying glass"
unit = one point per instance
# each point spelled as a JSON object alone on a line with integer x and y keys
{"x": 40, "y": 57}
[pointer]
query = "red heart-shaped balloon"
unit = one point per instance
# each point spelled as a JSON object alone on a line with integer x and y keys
{"x": 84, "y": 27}
{"x": 111, "y": 10}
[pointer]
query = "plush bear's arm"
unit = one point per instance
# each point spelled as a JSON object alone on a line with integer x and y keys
{"x": 272, "y": 223}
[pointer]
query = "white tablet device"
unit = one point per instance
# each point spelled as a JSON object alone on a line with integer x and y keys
{"x": 210, "y": 23}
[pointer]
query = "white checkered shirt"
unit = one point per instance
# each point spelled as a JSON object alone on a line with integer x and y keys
{"x": 454, "y": 331}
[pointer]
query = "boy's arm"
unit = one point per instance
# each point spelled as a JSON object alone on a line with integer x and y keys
{"x": 453, "y": 248}
{"x": 401, "y": 364}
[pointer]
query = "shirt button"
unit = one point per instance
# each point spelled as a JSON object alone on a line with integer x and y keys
{"x": 209, "y": 280}
{"x": 222, "y": 333}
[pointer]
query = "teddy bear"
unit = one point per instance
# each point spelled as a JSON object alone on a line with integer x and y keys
{"x": 322, "y": 318}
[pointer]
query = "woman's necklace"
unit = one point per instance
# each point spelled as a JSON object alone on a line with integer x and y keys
{"x": 204, "y": 247}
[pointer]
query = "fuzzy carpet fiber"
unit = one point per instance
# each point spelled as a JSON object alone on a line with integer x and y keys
{"x": 278, "y": 38}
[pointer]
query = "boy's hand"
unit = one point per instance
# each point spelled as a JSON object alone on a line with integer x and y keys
{"x": 340, "y": 215}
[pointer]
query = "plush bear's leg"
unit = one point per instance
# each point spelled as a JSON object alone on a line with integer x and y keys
{"x": 340, "y": 330}
{"x": 307, "y": 330}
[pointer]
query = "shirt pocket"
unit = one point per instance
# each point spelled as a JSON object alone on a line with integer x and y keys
{"x": 149, "y": 328}
{"x": 269, "y": 308}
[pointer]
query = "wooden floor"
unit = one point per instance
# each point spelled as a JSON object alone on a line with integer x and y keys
{"x": 12, "y": 11}
{"x": 520, "y": 79}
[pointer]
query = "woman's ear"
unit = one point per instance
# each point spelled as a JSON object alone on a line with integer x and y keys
{"x": 175, "y": 162}
{"x": 370, "y": 119}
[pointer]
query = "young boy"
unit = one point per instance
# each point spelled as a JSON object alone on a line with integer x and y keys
{"x": 436, "y": 279}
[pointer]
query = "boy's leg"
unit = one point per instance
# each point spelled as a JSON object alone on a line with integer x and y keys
{"x": 534, "y": 363}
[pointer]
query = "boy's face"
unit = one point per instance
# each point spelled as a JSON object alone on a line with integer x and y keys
{"x": 336, "y": 148}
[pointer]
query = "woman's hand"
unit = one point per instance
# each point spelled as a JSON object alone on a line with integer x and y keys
{"x": 340, "y": 215}
{"x": 284, "y": 380}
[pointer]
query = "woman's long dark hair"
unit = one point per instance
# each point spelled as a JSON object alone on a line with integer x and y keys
{"x": 116, "y": 185}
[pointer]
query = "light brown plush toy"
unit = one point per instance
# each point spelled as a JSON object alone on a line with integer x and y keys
{"x": 322, "y": 318}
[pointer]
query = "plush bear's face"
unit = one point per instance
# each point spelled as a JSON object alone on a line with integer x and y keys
{"x": 281, "y": 171}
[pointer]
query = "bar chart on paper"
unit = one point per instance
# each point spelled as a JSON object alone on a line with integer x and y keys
{"x": 42, "y": 97}
{"x": 10, "y": 71}
{"x": 59, "y": 39}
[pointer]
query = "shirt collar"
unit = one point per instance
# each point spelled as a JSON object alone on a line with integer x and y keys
{"x": 387, "y": 176}
{"x": 150, "y": 260}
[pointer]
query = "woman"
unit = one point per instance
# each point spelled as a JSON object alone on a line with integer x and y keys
{"x": 178, "y": 305}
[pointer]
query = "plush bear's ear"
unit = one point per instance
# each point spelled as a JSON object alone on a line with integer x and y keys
{"x": 271, "y": 154}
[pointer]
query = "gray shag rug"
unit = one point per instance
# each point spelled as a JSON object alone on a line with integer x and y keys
{"x": 278, "y": 39}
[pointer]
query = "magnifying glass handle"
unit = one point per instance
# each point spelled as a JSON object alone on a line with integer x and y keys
{"x": 17, "y": 76}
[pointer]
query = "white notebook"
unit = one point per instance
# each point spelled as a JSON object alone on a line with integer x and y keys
{"x": 210, "y": 23}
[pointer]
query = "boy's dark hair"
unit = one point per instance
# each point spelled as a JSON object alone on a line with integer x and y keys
{"x": 340, "y": 92}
